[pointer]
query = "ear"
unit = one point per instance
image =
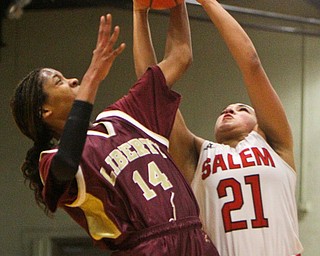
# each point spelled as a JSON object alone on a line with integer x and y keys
{"x": 46, "y": 112}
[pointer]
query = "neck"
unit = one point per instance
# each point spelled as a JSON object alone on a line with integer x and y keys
{"x": 232, "y": 141}
{"x": 57, "y": 129}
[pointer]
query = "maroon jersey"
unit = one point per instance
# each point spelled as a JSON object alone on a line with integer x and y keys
{"x": 126, "y": 181}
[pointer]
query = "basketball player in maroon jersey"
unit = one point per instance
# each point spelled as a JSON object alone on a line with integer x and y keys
{"x": 115, "y": 179}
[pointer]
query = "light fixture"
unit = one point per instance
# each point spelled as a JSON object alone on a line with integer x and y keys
{"x": 15, "y": 9}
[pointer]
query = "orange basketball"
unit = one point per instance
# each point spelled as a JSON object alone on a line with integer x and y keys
{"x": 159, "y": 4}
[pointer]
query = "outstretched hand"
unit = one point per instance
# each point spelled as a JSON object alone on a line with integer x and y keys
{"x": 104, "y": 54}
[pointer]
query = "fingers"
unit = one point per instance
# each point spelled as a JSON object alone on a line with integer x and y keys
{"x": 107, "y": 39}
{"x": 113, "y": 40}
{"x": 114, "y": 37}
{"x": 104, "y": 29}
{"x": 119, "y": 50}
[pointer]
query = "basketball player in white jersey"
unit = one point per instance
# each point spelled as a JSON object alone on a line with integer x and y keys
{"x": 245, "y": 181}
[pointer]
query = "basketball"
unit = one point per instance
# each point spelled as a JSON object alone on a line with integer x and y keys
{"x": 159, "y": 4}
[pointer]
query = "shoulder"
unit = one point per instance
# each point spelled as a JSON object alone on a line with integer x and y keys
{"x": 202, "y": 144}
{"x": 286, "y": 154}
{"x": 155, "y": 72}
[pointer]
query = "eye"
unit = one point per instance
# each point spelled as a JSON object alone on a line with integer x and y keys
{"x": 244, "y": 109}
{"x": 57, "y": 80}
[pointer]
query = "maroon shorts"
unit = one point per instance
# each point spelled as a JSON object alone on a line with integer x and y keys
{"x": 183, "y": 237}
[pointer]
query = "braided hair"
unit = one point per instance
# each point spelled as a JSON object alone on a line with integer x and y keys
{"x": 26, "y": 105}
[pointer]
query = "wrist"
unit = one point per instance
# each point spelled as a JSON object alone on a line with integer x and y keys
{"x": 204, "y": 2}
{"x": 139, "y": 7}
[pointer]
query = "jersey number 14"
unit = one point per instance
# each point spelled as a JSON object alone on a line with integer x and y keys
{"x": 156, "y": 177}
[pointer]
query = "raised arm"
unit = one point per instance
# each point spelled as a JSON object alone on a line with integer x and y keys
{"x": 270, "y": 112}
{"x": 143, "y": 51}
{"x": 178, "y": 56}
{"x": 178, "y": 51}
{"x": 102, "y": 60}
{"x": 65, "y": 163}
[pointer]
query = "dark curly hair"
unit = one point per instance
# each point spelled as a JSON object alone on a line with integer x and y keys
{"x": 26, "y": 105}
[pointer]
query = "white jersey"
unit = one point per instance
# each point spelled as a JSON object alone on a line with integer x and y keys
{"x": 247, "y": 199}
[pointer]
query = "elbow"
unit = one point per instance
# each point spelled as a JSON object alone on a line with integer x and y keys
{"x": 176, "y": 63}
{"x": 185, "y": 57}
{"x": 62, "y": 169}
{"x": 189, "y": 56}
{"x": 189, "y": 61}
{"x": 254, "y": 64}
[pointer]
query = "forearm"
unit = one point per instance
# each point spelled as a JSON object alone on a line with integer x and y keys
{"x": 236, "y": 39}
{"x": 65, "y": 163}
{"x": 179, "y": 37}
{"x": 143, "y": 51}
{"x": 178, "y": 51}
{"x": 88, "y": 88}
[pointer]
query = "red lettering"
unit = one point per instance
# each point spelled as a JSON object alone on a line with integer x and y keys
{"x": 244, "y": 154}
{"x": 218, "y": 162}
{"x": 265, "y": 157}
{"x": 249, "y": 157}
{"x": 206, "y": 168}
{"x": 232, "y": 165}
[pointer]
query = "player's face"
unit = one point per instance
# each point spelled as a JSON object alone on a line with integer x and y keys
{"x": 235, "y": 120}
{"x": 61, "y": 92}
